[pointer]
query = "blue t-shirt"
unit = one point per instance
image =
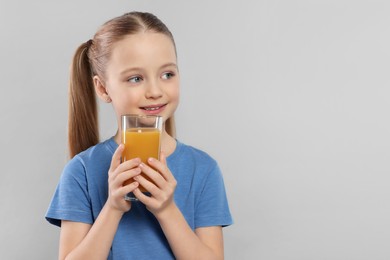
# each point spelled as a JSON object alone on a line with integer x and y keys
{"x": 83, "y": 190}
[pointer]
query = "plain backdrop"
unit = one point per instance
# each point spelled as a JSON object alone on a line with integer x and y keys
{"x": 290, "y": 97}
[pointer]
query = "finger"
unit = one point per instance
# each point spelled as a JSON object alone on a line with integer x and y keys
{"x": 122, "y": 191}
{"x": 128, "y": 165}
{"x": 150, "y": 186}
{"x": 130, "y": 188}
{"x": 161, "y": 167}
{"x": 163, "y": 157}
{"x": 163, "y": 160}
{"x": 153, "y": 175}
{"x": 116, "y": 157}
{"x": 126, "y": 175}
{"x": 146, "y": 200}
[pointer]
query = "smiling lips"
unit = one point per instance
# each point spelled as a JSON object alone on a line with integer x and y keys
{"x": 154, "y": 109}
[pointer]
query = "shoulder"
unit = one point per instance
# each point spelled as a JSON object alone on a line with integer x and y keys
{"x": 190, "y": 161}
{"x": 98, "y": 151}
{"x": 195, "y": 153}
{"x": 96, "y": 155}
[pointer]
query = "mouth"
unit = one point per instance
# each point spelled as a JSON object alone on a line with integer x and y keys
{"x": 153, "y": 109}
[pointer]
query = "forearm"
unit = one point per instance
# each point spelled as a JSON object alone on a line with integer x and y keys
{"x": 97, "y": 243}
{"x": 184, "y": 242}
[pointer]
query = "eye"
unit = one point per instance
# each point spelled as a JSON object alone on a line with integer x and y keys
{"x": 135, "y": 79}
{"x": 168, "y": 75}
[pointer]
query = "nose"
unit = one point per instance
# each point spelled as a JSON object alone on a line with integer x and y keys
{"x": 153, "y": 90}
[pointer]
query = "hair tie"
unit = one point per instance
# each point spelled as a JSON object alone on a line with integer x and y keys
{"x": 89, "y": 43}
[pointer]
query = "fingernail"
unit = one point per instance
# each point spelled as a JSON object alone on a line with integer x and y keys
{"x": 142, "y": 165}
{"x": 137, "y": 160}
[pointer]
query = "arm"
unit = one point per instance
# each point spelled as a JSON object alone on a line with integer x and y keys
{"x": 204, "y": 243}
{"x": 85, "y": 241}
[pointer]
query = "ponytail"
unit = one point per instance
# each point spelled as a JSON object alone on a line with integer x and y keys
{"x": 83, "y": 131}
{"x": 170, "y": 126}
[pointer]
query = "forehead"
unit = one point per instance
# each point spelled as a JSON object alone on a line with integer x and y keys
{"x": 142, "y": 49}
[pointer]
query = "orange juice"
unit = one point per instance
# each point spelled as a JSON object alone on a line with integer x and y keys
{"x": 142, "y": 143}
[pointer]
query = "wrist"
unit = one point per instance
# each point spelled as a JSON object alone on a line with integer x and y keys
{"x": 112, "y": 211}
{"x": 168, "y": 214}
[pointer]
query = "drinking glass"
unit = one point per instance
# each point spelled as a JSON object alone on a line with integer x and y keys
{"x": 141, "y": 135}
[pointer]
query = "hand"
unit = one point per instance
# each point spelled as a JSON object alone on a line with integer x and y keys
{"x": 117, "y": 174}
{"x": 162, "y": 187}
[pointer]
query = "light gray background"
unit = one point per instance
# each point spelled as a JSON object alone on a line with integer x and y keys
{"x": 291, "y": 98}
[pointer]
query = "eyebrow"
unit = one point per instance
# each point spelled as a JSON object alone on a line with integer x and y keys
{"x": 170, "y": 64}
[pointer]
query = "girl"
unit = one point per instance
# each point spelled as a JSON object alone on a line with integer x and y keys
{"x": 131, "y": 63}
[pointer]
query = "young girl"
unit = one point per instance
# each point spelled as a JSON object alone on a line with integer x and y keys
{"x": 131, "y": 63}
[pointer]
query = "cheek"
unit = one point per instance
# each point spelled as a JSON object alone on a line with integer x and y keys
{"x": 176, "y": 96}
{"x": 125, "y": 101}
{"x": 127, "y": 97}
{"x": 175, "y": 93}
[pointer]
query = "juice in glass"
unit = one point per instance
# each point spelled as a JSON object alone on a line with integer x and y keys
{"x": 142, "y": 143}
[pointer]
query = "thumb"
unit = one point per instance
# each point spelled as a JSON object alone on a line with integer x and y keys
{"x": 163, "y": 157}
{"x": 116, "y": 157}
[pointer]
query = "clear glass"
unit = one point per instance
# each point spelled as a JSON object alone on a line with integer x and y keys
{"x": 141, "y": 135}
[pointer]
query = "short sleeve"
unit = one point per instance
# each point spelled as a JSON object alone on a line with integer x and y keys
{"x": 71, "y": 200}
{"x": 212, "y": 208}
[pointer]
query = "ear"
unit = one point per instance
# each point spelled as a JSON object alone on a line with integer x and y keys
{"x": 101, "y": 90}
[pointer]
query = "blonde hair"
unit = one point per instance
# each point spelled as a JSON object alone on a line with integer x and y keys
{"x": 90, "y": 59}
